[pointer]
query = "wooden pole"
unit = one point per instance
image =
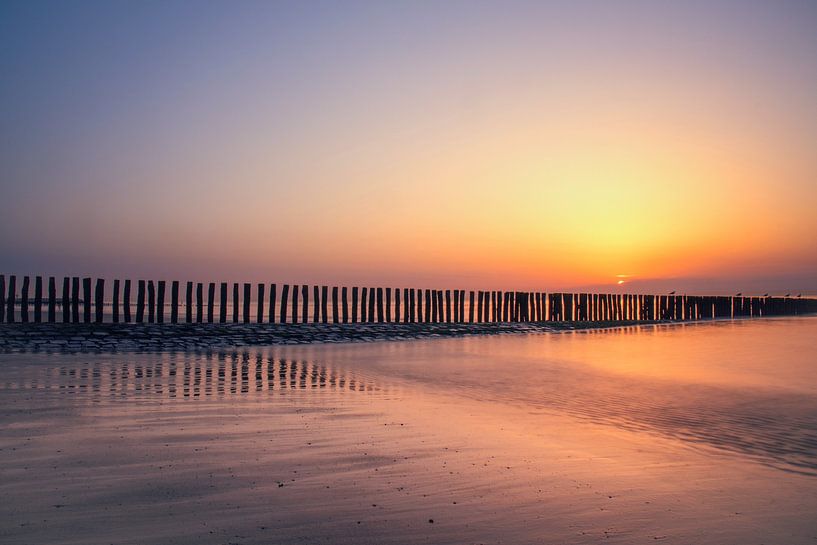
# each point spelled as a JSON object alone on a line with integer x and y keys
{"x": 305, "y": 303}
{"x": 211, "y": 301}
{"x": 380, "y": 305}
{"x": 363, "y": 304}
{"x": 2, "y": 298}
{"x": 316, "y": 304}
{"x": 259, "y": 304}
{"x": 272, "y": 295}
{"x": 38, "y": 299}
{"x": 125, "y": 301}
{"x": 115, "y": 302}
{"x": 160, "y": 301}
{"x": 412, "y": 305}
{"x": 345, "y": 302}
{"x": 174, "y": 302}
{"x": 372, "y": 297}
{"x": 235, "y": 302}
{"x": 52, "y": 299}
{"x": 140, "y": 302}
{"x": 188, "y": 302}
{"x": 246, "y": 302}
{"x": 199, "y": 302}
{"x": 24, "y": 300}
{"x": 448, "y": 306}
{"x": 354, "y": 304}
{"x": 388, "y": 304}
{"x": 222, "y": 304}
{"x": 324, "y": 304}
{"x": 151, "y": 302}
{"x": 428, "y": 306}
{"x": 284, "y": 300}
{"x": 99, "y": 296}
{"x": 86, "y": 299}
{"x": 295, "y": 303}
{"x": 335, "y": 305}
{"x": 397, "y": 305}
{"x": 407, "y": 302}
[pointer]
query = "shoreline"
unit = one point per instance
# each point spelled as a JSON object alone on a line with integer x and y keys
{"x": 106, "y": 337}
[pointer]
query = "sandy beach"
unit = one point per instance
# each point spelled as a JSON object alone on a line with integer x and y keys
{"x": 544, "y": 439}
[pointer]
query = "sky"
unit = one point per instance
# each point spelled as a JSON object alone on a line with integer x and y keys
{"x": 610, "y": 145}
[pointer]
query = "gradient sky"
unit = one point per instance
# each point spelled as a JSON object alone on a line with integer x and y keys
{"x": 542, "y": 145}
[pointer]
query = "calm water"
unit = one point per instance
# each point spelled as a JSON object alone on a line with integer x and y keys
{"x": 702, "y": 433}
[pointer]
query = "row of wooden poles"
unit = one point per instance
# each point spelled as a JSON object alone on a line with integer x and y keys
{"x": 334, "y": 304}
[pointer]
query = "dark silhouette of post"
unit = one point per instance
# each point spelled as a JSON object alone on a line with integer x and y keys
{"x": 2, "y": 298}
{"x": 345, "y": 304}
{"x": 115, "y": 301}
{"x": 75, "y": 299}
{"x": 246, "y": 302}
{"x": 272, "y": 295}
{"x": 284, "y": 301}
{"x": 11, "y": 299}
{"x": 259, "y": 308}
{"x": 160, "y": 301}
{"x": 412, "y": 306}
{"x": 396, "y": 305}
{"x": 188, "y": 302}
{"x": 324, "y": 304}
{"x": 52, "y": 299}
{"x": 24, "y": 300}
{"x": 38, "y": 299}
{"x": 334, "y": 304}
{"x": 174, "y": 302}
{"x": 86, "y": 300}
{"x": 419, "y": 300}
{"x": 199, "y": 302}
{"x": 388, "y": 305}
{"x": 363, "y": 304}
{"x": 380, "y": 305}
{"x": 126, "y": 302}
{"x": 305, "y": 304}
{"x": 295, "y": 304}
{"x": 447, "y": 306}
{"x": 235, "y": 302}
{"x": 140, "y": 302}
{"x": 66, "y": 300}
{"x": 99, "y": 296}
{"x": 222, "y": 303}
{"x": 354, "y": 304}
{"x": 211, "y": 302}
{"x": 372, "y": 296}
{"x": 407, "y": 302}
{"x": 316, "y": 304}
{"x": 151, "y": 302}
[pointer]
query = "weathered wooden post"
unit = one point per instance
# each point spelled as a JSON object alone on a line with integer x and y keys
{"x": 427, "y": 313}
{"x": 99, "y": 296}
{"x": 363, "y": 304}
{"x": 316, "y": 304}
{"x": 246, "y": 303}
{"x": 388, "y": 305}
{"x": 295, "y": 303}
{"x": 372, "y": 300}
{"x": 74, "y": 299}
{"x": 151, "y": 302}
{"x": 125, "y": 301}
{"x": 24, "y": 300}
{"x": 335, "y": 304}
{"x": 188, "y": 302}
{"x": 160, "y": 301}
{"x": 140, "y": 302}
{"x": 471, "y": 298}
{"x": 305, "y": 303}
{"x": 174, "y": 301}
{"x": 411, "y": 305}
{"x": 344, "y": 296}
{"x": 2, "y": 298}
{"x": 211, "y": 301}
{"x": 354, "y": 304}
{"x": 259, "y": 304}
{"x": 115, "y": 302}
{"x": 407, "y": 302}
{"x": 397, "y": 305}
{"x": 447, "y": 306}
{"x": 38, "y": 299}
{"x": 324, "y": 304}
{"x": 86, "y": 300}
{"x": 52, "y": 299}
{"x": 284, "y": 300}
{"x": 380, "y": 305}
{"x": 199, "y": 302}
{"x": 236, "y": 302}
{"x": 272, "y": 296}
{"x": 222, "y": 303}
{"x": 11, "y": 299}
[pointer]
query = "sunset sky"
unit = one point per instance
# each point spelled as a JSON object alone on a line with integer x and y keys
{"x": 530, "y": 145}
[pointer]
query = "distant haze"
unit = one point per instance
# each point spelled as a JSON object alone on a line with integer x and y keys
{"x": 531, "y": 145}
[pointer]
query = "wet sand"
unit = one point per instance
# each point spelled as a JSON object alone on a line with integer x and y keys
{"x": 695, "y": 433}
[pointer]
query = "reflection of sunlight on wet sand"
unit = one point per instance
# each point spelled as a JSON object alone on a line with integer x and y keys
{"x": 547, "y": 438}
